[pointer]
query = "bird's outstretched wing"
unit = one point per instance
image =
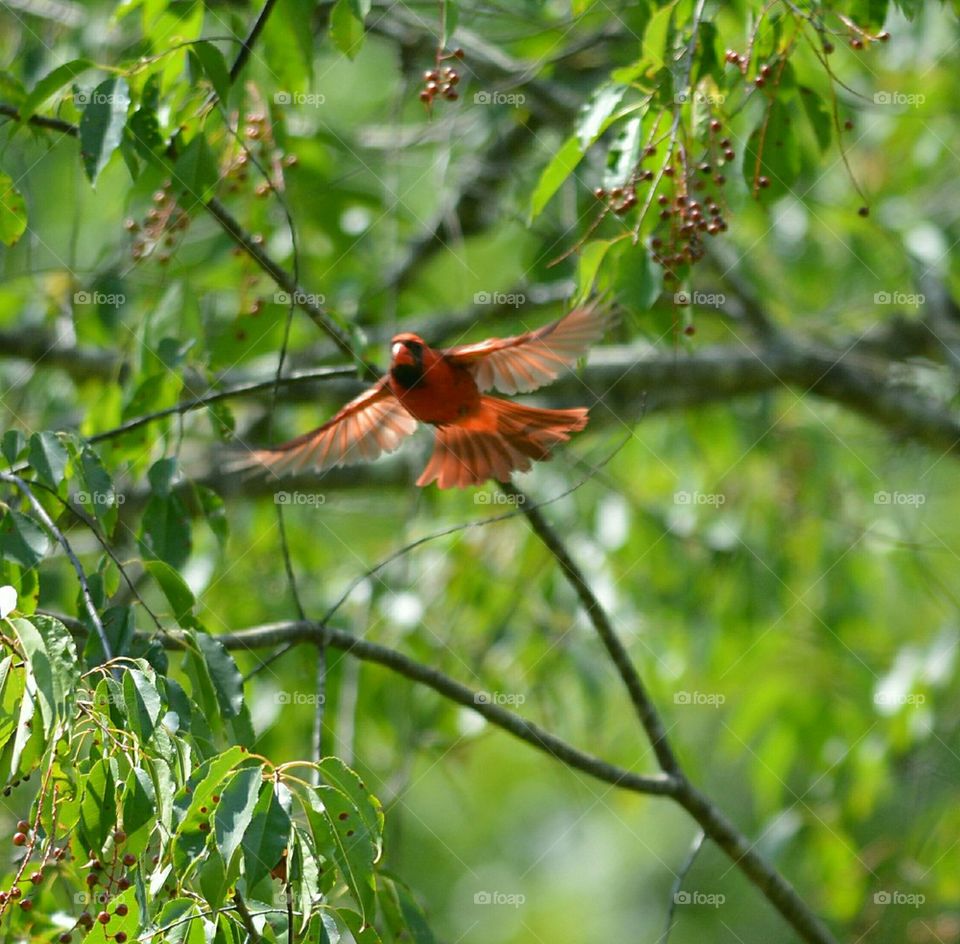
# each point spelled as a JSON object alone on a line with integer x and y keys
{"x": 373, "y": 423}
{"x": 528, "y": 361}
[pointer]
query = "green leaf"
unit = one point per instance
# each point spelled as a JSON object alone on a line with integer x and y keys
{"x": 12, "y": 445}
{"x": 102, "y": 124}
{"x": 591, "y": 255}
{"x": 268, "y": 833}
{"x": 338, "y": 826}
{"x": 337, "y": 774}
{"x": 98, "y": 492}
{"x": 22, "y": 540}
{"x": 819, "y": 117}
{"x": 143, "y": 703}
{"x": 561, "y": 166}
{"x": 346, "y": 28}
{"x": 403, "y": 915}
{"x": 174, "y": 588}
{"x": 637, "y": 281}
{"x": 98, "y": 808}
{"x": 215, "y": 513}
{"x": 195, "y": 172}
{"x": 215, "y": 68}
{"x": 362, "y": 932}
{"x": 48, "y": 458}
{"x": 656, "y": 36}
{"x": 12, "y": 681}
{"x": 119, "y": 626}
{"x": 594, "y": 115}
{"x": 139, "y": 805}
{"x": 451, "y": 16}
{"x": 623, "y": 153}
{"x": 772, "y": 152}
{"x": 226, "y": 677}
{"x": 235, "y": 811}
{"x": 143, "y": 126}
{"x": 13, "y": 211}
{"x": 52, "y": 656}
{"x": 166, "y": 530}
{"x": 50, "y": 83}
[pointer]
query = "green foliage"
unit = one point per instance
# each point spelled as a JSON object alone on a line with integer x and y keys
{"x": 797, "y": 631}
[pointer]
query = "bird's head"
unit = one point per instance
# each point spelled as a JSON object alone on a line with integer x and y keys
{"x": 406, "y": 350}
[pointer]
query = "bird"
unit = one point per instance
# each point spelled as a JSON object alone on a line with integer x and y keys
{"x": 478, "y": 437}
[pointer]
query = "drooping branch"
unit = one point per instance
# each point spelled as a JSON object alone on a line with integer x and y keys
{"x": 778, "y": 891}
{"x": 275, "y": 634}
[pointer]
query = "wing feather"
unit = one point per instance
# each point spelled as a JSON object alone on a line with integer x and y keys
{"x": 368, "y": 426}
{"x": 528, "y": 361}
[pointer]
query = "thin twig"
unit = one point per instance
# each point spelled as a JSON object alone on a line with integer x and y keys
{"x": 58, "y": 536}
{"x": 695, "y": 848}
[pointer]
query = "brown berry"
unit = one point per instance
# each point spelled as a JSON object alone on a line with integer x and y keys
{"x": 65, "y": 938}
{"x": 23, "y": 826}
{"x": 856, "y": 43}
{"x": 120, "y": 937}
{"x": 26, "y": 904}
{"x": 123, "y": 883}
{"x": 19, "y": 839}
{"x": 458, "y": 52}
{"x": 36, "y": 877}
{"x": 119, "y": 836}
{"x": 763, "y": 182}
{"x": 848, "y": 124}
{"x": 715, "y": 125}
{"x": 883, "y": 37}
{"x": 104, "y": 917}
{"x": 129, "y": 859}
{"x": 121, "y": 909}
{"x": 864, "y": 211}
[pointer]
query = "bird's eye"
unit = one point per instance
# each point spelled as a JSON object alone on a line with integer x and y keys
{"x": 414, "y": 345}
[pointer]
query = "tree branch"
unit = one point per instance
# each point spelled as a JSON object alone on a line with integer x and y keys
{"x": 777, "y": 890}
{"x": 274, "y": 634}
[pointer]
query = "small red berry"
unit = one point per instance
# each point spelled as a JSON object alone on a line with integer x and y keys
{"x": 36, "y": 877}
{"x": 120, "y": 937}
{"x": 763, "y": 182}
{"x": 123, "y": 883}
{"x": 65, "y": 938}
{"x": 104, "y": 917}
{"x": 121, "y": 909}
{"x": 129, "y": 859}
{"x": 19, "y": 839}
{"x": 26, "y": 904}
{"x": 23, "y": 826}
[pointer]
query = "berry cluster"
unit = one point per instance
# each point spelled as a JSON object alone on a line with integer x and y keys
{"x": 102, "y": 881}
{"x": 164, "y": 223}
{"x": 257, "y": 143}
{"x": 441, "y": 81}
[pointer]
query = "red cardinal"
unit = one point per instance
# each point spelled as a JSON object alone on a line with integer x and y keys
{"x": 478, "y": 437}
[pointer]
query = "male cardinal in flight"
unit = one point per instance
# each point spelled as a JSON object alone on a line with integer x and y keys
{"x": 478, "y": 437}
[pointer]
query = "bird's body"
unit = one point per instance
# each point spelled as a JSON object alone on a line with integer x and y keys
{"x": 478, "y": 437}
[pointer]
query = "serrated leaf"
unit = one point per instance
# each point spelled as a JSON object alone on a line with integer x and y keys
{"x": 174, "y": 588}
{"x": 101, "y": 124}
{"x": 13, "y": 211}
{"x": 226, "y": 677}
{"x": 50, "y": 83}
{"x": 48, "y": 458}
{"x": 52, "y": 656}
{"x": 98, "y": 807}
{"x": 268, "y": 833}
{"x": 338, "y": 826}
{"x": 234, "y": 812}
{"x": 22, "y": 540}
